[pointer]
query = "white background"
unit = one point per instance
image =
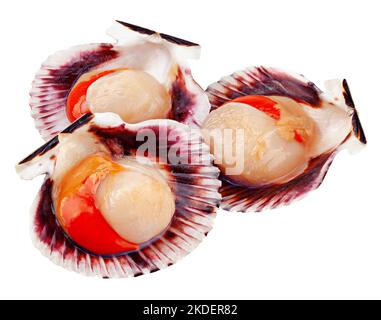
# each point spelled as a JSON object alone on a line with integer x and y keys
{"x": 327, "y": 245}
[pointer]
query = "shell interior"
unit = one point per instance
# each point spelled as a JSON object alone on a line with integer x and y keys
{"x": 331, "y": 136}
{"x": 161, "y": 56}
{"x": 195, "y": 186}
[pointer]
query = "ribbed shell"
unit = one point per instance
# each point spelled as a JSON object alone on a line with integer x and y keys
{"x": 194, "y": 185}
{"x": 270, "y": 82}
{"x": 163, "y": 56}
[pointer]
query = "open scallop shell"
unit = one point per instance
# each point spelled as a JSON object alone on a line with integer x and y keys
{"x": 195, "y": 186}
{"x": 267, "y": 82}
{"x": 162, "y": 56}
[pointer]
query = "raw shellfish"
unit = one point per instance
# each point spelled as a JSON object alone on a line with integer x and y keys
{"x": 143, "y": 76}
{"x": 274, "y": 135}
{"x": 122, "y": 199}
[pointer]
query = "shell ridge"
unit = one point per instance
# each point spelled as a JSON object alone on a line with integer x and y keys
{"x": 272, "y": 196}
{"x": 164, "y": 36}
{"x": 60, "y": 72}
{"x": 270, "y": 81}
{"x": 166, "y": 250}
{"x": 357, "y": 127}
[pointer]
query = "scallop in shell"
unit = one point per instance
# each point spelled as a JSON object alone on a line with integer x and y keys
{"x": 122, "y": 199}
{"x": 143, "y": 76}
{"x": 275, "y": 134}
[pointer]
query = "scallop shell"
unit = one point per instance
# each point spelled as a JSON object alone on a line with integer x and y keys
{"x": 161, "y": 55}
{"x": 267, "y": 82}
{"x": 195, "y": 186}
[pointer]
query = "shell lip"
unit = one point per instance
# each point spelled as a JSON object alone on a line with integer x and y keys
{"x": 164, "y": 36}
{"x": 54, "y": 141}
{"x": 107, "y": 119}
{"x": 357, "y": 127}
{"x": 62, "y": 70}
{"x": 244, "y": 199}
{"x": 255, "y": 186}
{"x": 264, "y": 81}
{"x": 113, "y": 255}
{"x": 103, "y": 119}
{"x": 193, "y": 218}
{"x": 271, "y": 81}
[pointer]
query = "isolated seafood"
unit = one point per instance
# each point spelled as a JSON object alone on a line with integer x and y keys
{"x": 274, "y": 135}
{"x": 143, "y": 76}
{"x": 122, "y": 199}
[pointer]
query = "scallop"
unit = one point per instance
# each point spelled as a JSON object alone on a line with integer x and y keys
{"x": 114, "y": 202}
{"x": 143, "y": 76}
{"x": 274, "y": 134}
